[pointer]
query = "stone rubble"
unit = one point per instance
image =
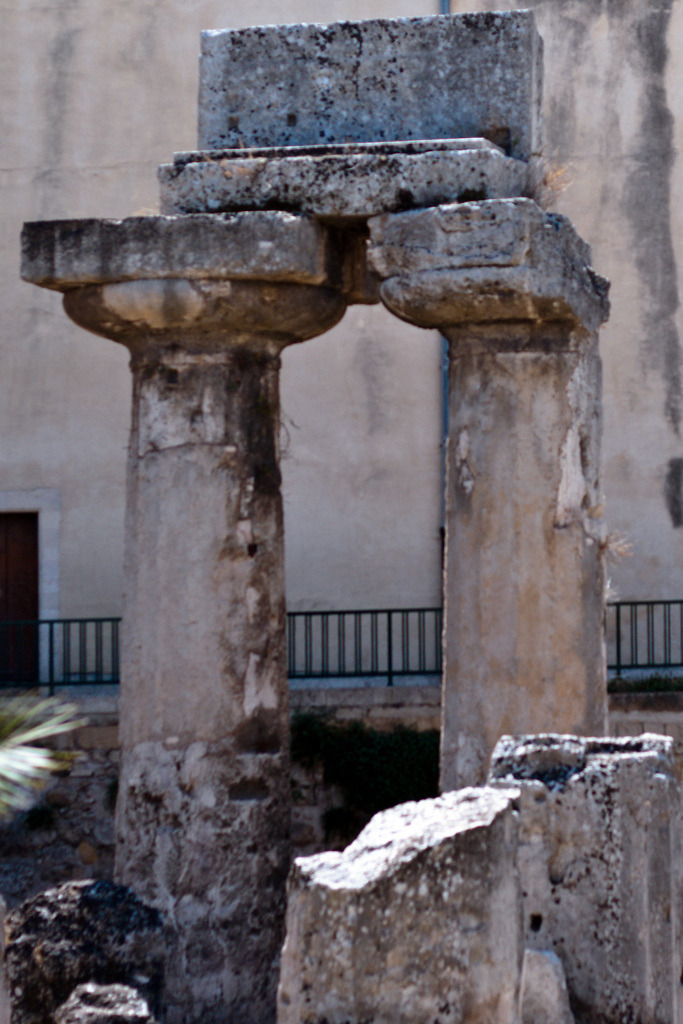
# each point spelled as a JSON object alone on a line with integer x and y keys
{"x": 4, "y": 988}
{"x": 77, "y": 933}
{"x": 104, "y": 1004}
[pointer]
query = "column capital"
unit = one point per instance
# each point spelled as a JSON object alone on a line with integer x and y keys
{"x": 202, "y": 283}
{"x": 500, "y": 260}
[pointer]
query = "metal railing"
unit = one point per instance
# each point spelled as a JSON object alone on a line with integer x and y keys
{"x": 360, "y": 645}
{"x": 387, "y": 643}
{"x": 644, "y": 635}
{"x": 59, "y": 652}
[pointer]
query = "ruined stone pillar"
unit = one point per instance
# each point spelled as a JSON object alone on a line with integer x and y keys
{"x": 416, "y": 922}
{"x": 597, "y": 858}
{"x": 512, "y": 290}
{"x": 205, "y": 305}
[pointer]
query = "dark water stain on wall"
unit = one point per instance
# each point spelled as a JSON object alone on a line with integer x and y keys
{"x": 59, "y": 86}
{"x": 647, "y": 204}
{"x": 673, "y": 491}
{"x": 371, "y": 360}
{"x": 636, "y": 49}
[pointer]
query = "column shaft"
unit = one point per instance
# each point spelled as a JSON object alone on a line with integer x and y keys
{"x": 203, "y": 813}
{"x": 524, "y": 582}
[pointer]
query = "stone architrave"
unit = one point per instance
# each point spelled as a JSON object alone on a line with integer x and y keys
{"x": 416, "y": 922}
{"x": 342, "y": 182}
{"x": 205, "y": 305}
{"x": 598, "y": 836}
{"x": 512, "y": 289}
{"x": 377, "y": 80}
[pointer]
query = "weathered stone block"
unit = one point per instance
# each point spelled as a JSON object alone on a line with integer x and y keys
{"x": 341, "y": 182}
{"x": 269, "y": 245}
{"x": 416, "y": 921}
{"x": 377, "y": 80}
{"x": 80, "y": 932}
{"x": 598, "y": 834}
{"x": 104, "y": 1004}
{"x": 214, "y": 856}
{"x": 500, "y": 259}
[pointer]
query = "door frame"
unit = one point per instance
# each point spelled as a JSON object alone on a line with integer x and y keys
{"x": 46, "y": 501}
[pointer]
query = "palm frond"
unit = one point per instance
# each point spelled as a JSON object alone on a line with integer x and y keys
{"x": 25, "y": 721}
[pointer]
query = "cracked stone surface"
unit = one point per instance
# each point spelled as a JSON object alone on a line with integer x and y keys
{"x": 418, "y": 920}
{"x": 205, "y": 835}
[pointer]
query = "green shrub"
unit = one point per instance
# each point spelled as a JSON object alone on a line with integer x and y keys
{"x": 373, "y": 770}
{"x": 655, "y": 683}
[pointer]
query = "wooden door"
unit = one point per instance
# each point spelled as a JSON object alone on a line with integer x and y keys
{"x": 18, "y": 597}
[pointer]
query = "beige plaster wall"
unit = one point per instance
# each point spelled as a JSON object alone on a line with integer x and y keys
{"x": 95, "y": 95}
{"x": 613, "y": 78}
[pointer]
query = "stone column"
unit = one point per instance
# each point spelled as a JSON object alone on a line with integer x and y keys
{"x": 205, "y": 305}
{"x": 512, "y": 290}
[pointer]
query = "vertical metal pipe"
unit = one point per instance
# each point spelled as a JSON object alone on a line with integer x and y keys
{"x": 444, "y": 8}
{"x": 390, "y": 651}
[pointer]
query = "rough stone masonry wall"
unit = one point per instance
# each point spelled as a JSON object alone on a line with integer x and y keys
{"x": 69, "y": 834}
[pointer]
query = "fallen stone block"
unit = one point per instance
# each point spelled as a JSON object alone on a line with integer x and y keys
{"x": 597, "y": 841}
{"x": 417, "y": 921}
{"x": 81, "y": 932}
{"x": 104, "y": 1004}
